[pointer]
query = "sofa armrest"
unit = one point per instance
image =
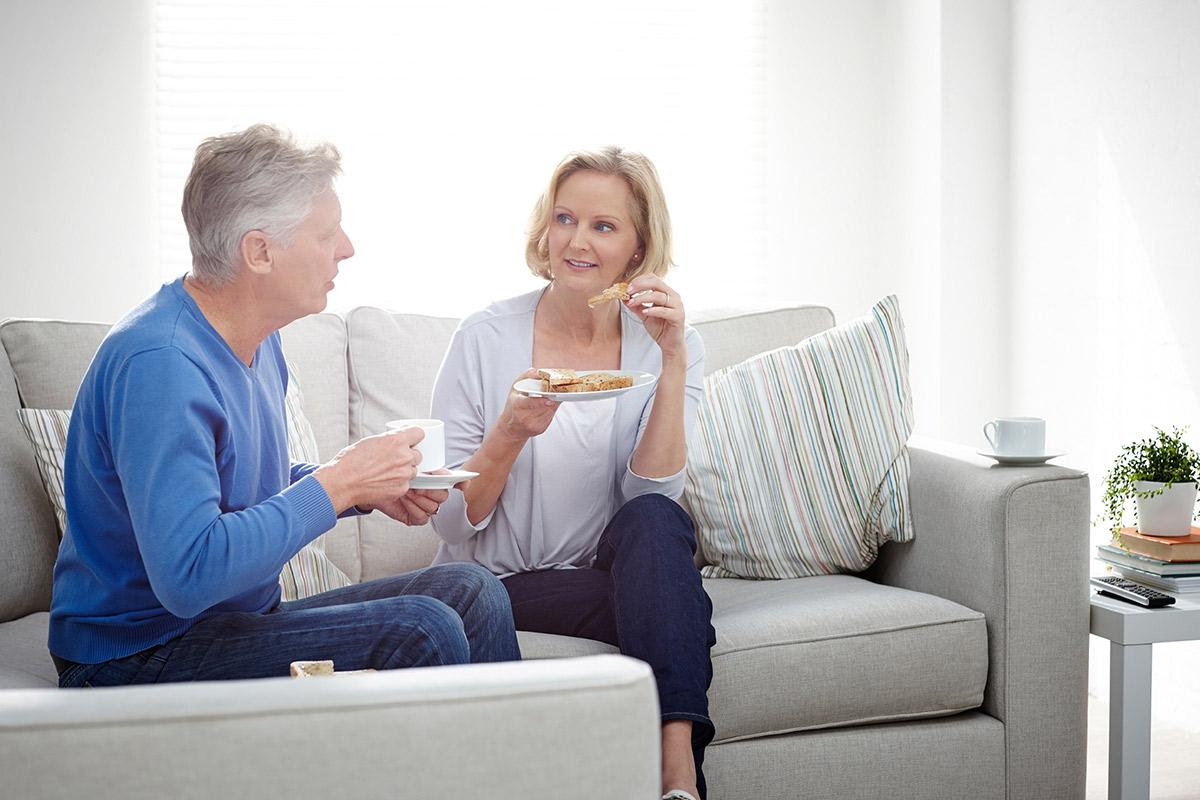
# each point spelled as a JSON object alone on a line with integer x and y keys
{"x": 580, "y": 727}
{"x": 1012, "y": 543}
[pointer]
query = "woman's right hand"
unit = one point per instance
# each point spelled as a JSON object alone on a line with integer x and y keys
{"x": 525, "y": 416}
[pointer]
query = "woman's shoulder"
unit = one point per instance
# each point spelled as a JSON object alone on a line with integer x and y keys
{"x": 511, "y": 311}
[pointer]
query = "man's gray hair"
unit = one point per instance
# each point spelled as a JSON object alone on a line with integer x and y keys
{"x": 258, "y": 179}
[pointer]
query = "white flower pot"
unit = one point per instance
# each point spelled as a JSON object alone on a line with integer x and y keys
{"x": 1167, "y": 514}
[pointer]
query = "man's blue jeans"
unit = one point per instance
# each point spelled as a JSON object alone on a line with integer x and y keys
{"x": 450, "y": 614}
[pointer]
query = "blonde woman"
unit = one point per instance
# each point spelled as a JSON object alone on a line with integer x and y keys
{"x": 574, "y": 507}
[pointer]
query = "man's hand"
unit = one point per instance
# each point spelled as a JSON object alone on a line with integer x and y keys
{"x": 415, "y": 507}
{"x": 372, "y": 471}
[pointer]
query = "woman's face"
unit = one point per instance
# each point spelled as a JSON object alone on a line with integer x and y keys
{"x": 593, "y": 240}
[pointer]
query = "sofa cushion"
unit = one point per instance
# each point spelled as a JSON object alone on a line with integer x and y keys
{"x": 394, "y": 359}
{"x": 28, "y": 534}
{"x": 798, "y": 464}
{"x": 316, "y": 348}
{"x": 824, "y": 652}
{"x": 732, "y": 335}
{"x": 24, "y": 658}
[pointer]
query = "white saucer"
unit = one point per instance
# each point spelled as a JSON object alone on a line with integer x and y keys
{"x": 1016, "y": 460}
{"x": 533, "y": 387}
{"x": 428, "y": 480}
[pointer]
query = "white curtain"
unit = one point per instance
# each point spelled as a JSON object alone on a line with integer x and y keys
{"x": 450, "y": 117}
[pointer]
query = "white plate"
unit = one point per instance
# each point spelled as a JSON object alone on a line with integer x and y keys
{"x": 533, "y": 386}
{"x": 1018, "y": 460}
{"x": 429, "y": 480}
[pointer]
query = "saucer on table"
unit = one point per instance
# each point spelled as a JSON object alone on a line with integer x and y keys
{"x": 430, "y": 480}
{"x": 1026, "y": 460}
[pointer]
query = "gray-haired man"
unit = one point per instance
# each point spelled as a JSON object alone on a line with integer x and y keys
{"x": 182, "y": 504}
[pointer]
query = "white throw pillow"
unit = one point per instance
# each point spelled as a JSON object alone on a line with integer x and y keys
{"x": 799, "y": 462}
{"x": 309, "y": 572}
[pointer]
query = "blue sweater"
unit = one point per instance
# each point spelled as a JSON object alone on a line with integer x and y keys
{"x": 180, "y": 497}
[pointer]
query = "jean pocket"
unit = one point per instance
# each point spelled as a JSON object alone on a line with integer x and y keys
{"x": 77, "y": 676}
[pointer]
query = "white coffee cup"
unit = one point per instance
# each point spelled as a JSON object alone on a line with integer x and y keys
{"x": 433, "y": 447}
{"x": 1016, "y": 436}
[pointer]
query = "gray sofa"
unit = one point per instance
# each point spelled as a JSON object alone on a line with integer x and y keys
{"x": 956, "y": 668}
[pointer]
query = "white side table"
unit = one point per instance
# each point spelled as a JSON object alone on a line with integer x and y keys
{"x": 1132, "y": 630}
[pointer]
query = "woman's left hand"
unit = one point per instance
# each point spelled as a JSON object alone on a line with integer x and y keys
{"x": 660, "y": 309}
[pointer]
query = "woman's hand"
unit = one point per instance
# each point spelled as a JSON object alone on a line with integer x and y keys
{"x": 415, "y": 507}
{"x": 525, "y": 416}
{"x": 660, "y": 309}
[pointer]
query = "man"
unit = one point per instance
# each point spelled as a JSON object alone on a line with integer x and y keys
{"x": 182, "y": 505}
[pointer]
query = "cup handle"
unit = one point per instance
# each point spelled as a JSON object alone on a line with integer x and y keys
{"x": 989, "y": 436}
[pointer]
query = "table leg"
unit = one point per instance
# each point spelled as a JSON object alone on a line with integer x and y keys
{"x": 1129, "y": 722}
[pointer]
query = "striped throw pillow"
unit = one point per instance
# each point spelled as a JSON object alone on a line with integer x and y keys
{"x": 309, "y": 572}
{"x": 799, "y": 462}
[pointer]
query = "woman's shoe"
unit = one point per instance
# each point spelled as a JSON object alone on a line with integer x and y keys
{"x": 678, "y": 794}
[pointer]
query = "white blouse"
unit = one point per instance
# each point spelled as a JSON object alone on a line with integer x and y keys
{"x": 525, "y": 530}
{"x": 571, "y": 455}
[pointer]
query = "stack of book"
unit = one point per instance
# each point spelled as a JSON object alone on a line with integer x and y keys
{"x": 1169, "y": 564}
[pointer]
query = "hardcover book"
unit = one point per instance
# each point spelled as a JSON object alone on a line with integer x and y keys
{"x": 1165, "y": 548}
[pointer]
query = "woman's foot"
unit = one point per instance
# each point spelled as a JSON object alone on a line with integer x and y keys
{"x": 678, "y": 794}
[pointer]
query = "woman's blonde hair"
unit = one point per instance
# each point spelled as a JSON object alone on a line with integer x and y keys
{"x": 648, "y": 207}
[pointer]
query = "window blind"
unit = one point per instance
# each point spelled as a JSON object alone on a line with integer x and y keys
{"x": 451, "y": 116}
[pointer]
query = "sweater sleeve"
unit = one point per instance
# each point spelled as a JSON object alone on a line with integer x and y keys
{"x": 300, "y": 470}
{"x": 633, "y": 484}
{"x": 458, "y": 402}
{"x": 165, "y": 423}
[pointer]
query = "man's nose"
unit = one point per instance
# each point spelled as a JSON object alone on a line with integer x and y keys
{"x": 346, "y": 249}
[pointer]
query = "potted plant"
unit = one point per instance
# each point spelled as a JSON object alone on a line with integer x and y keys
{"x": 1160, "y": 474}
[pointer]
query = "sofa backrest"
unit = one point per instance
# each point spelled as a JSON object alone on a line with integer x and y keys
{"x": 42, "y": 366}
{"x": 357, "y": 371}
{"x": 394, "y": 360}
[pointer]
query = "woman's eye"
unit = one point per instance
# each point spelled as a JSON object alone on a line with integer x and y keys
{"x": 604, "y": 227}
{"x": 563, "y": 219}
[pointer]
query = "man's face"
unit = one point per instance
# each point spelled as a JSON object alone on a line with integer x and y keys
{"x": 303, "y": 273}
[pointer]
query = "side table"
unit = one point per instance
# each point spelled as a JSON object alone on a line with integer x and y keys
{"x": 1132, "y": 630}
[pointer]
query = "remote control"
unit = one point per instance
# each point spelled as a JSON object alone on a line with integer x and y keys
{"x": 1132, "y": 592}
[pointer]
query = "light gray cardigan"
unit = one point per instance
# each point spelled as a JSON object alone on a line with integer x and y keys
{"x": 487, "y": 353}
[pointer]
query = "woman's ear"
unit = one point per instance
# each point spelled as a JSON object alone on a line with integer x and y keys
{"x": 635, "y": 262}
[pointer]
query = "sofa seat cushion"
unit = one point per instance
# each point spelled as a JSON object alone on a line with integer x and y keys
{"x": 824, "y": 652}
{"x": 24, "y": 659}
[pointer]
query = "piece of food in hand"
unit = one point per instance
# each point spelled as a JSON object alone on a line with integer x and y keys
{"x": 618, "y": 291}
{"x": 596, "y": 382}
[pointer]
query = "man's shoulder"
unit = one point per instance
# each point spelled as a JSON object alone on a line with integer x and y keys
{"x": 157, "y": 333}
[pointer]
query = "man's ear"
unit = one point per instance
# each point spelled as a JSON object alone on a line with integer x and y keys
{"x": 256, "y": 252}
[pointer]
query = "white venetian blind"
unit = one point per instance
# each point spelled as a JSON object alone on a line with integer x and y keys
{"x": 450, "y": 117}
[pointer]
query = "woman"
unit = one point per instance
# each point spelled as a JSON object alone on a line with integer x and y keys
{"x": 574, "y": 504}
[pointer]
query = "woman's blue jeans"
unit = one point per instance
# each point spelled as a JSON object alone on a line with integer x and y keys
{"x": 644, "y": 595}
{"x": 450, "y": 614}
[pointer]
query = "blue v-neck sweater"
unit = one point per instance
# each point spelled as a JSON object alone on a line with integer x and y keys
{"x": 181, "y": 500}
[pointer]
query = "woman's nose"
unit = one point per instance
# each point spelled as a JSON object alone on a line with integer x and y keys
{"x": 579, "y": 239}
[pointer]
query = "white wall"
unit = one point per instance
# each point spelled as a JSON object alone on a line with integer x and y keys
{"x": 887, "y": 157}
{"x": 1106, "y": 244}
{"x": 77, "y": 206}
